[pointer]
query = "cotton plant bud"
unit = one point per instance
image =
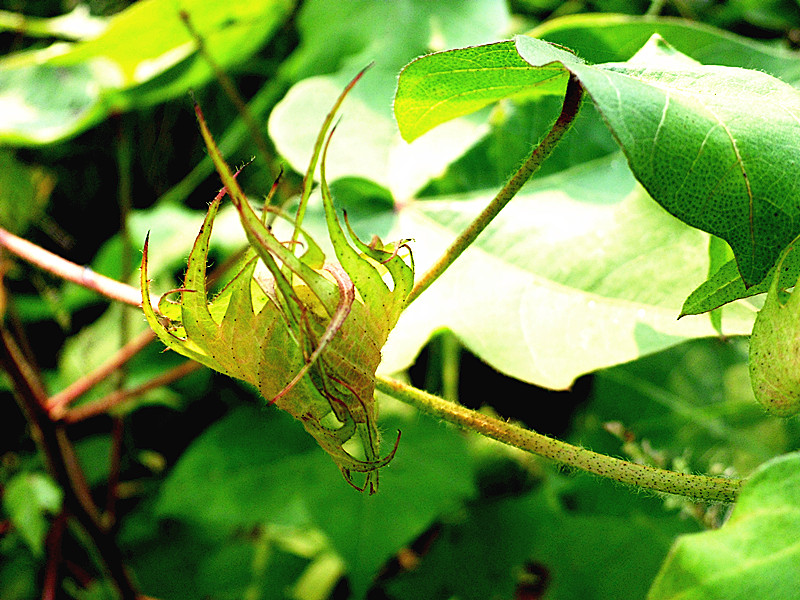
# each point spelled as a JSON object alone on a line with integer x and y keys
{"x": 308, "y": 335}
{"x": 775, "y": 350}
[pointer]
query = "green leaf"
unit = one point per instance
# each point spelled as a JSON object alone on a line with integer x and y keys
{"x": 144, "y": 56}
{"x": 430, "y": 477}
{"x": 29, "y": 499}
{"x": 703, "y": 140}
{"x": 253, "y": 467}
{"x": 706, "y": 143}
{"x": 726, "y": 286}
{"x": 563, "y": 282}
{"x": 442, "y": 86}
{"x": 755, "y": 553}
{"x": 19, "y": 575}
{"x": 77, "y": 24}
{"x": 562, "y": 553}
{"x": 25, "y": 191}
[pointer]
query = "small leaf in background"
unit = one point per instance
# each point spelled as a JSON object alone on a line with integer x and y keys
{"x": 753, "y": 555}
{"x": 29, "y": 500}
{"x": 725, "y": 285}
{"x": 78, "y": 24}
{"x": 25, "y": 191}
{"x": 143, "y": 57}
{"x": 19, "y": 574}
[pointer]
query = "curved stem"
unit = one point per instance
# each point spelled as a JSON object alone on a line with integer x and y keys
{"x": 569, "y": 110}
{"x": 699, "y": 487}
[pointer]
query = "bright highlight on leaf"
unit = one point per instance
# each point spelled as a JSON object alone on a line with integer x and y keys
{"x": 306, "y": 332}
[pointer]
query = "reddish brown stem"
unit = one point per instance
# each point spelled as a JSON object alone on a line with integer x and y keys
{"x": 53, "y": 545}
{"x": 58, "y": 403}
{"x": 115, "y": 460}
{"x": 59, "y": 457}
{"x": 103, "y": 405}
{"x": 65, "y": 269}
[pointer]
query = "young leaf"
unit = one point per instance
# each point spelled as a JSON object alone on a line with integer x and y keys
{"x": 726, "y": 286}
{"x": 297, "y": 332}
{"x": 442, "y": 86}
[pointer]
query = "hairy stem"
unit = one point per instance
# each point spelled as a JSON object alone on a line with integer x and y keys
{"x": 699, "y": 487}
{"x": 569, "y": 110}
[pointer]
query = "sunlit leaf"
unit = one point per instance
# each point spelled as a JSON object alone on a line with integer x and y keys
{"x": 144, "y": 56}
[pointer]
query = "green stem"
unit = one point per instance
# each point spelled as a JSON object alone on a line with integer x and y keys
{"x": 699, "y": 487}
{"x": 569, "y": 110}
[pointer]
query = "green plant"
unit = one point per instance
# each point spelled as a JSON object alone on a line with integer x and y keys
{"x": 579, "y": 271}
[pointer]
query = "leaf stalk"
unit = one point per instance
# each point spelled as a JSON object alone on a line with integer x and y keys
{"x": 569, "y": 110}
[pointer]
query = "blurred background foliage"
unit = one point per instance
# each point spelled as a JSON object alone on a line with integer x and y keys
{"x": 221, "y": 497}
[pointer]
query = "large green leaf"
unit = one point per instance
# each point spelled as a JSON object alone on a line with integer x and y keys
{"x": 247, "y": 468}
{"x": 144, "y": 56}
{"x": 707, "y": 144}
{"x": 581, "y": 271}
{"x": 252, "y": 467}
{"x": 754, "y": 555}
{"x": 703, "y": 140}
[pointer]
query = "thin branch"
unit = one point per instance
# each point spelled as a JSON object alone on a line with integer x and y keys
{"x": 569, "y": 110}
{"x": 114, "y": 468}
{"x": 700, "y": 487}
{"x": 83, "y": 276}
{"x": 51, "y": 438}
{"x": 103, "y": 405}
{"x": 57, "y": 403}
